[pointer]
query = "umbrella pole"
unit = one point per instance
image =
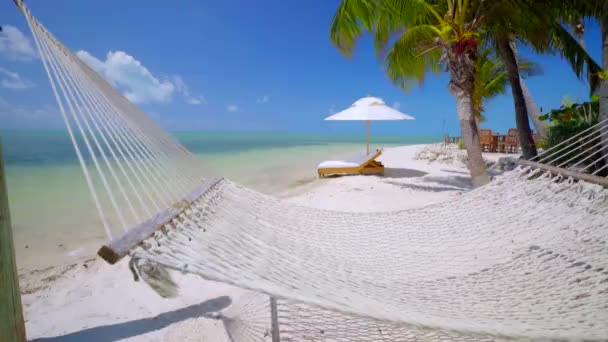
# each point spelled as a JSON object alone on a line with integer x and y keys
{"x": 368, "y": 124}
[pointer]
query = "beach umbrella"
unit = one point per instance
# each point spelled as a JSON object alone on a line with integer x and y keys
{"x": 369, "y": 109}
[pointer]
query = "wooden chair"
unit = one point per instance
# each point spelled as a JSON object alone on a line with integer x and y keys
{"x": 501, "y": 143}
{"x": 485, "y": 140}
{"x": 365, "y": 164}
{"x": 513, "y": 141}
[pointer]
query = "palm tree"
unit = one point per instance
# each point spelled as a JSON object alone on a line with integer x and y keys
{"x": 526, "y": 22}
{"x": 429, "y": 37}
{"x": 491, "y": 79}
{"x": 507, "y": 53}
{"x": 435, "y": 35}
{"x": 538, "y": 24}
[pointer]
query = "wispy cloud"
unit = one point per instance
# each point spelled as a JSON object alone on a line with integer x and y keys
{"x": 195, "y": 100}
{"x": 128, "y": 74}
{"x": 12, "y": 80}
{"x": 14, "y": 45}
{"x": 182, "y": 88}
{"x": 136, "y": 82}
{"x": 232, "y": 108}
{"x": 263, "y": 99}
{"x": 396, "y": 105}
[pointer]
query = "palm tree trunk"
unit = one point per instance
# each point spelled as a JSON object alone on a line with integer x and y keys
{"x": 604, "y": 82}
{"x": 462, "y": 73}
{"x": 521, "y": 112}
{"x": 534, "y": 112}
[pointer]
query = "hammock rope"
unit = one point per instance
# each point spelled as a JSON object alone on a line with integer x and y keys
{"x": 523, "y": 257}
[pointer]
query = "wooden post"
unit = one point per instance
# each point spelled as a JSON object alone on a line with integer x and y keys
{"x": 12, "y": 327}
{"x": 368, "y": 123}
{"x": 274, "y": 321}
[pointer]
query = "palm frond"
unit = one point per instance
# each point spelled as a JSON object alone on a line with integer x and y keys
{"x": 490, "y": 79}
{"x": 583, "y": 65}
{"x": 352, "y": 19}
{"x": 528, "y": 68}
{"x": 383, "y": 19}
{"x": 417, "y": 51}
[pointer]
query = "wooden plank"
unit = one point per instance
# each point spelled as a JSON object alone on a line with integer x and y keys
{"x": 12, "y": 327}
{"x": 274, "y": 321}
{"x": 603, "y": 181}
{"x": 120, "y": 247}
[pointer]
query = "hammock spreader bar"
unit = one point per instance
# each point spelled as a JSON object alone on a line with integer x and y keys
{"x": 603, "y": 181}
{"x": 118, "y": 248}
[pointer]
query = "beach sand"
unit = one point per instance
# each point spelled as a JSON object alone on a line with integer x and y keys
{"x": 92, "y": 301}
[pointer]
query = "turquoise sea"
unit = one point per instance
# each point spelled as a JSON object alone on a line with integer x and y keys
{"x": 53, "y": 218}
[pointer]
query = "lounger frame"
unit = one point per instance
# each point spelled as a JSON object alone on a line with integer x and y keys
{"x": 370, "y": 166}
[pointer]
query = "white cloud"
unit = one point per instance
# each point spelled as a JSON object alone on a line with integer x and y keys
{"x": 396, "y": 105}
{"x": 13, "y": 80}
{"x": 232, "y": 108}
{"x": 136, "y": 82}
{"x": 263, "y": 99}
{"x": 182, "y": 88}
{"x": 15, "y": 45}
{"x": 131, "y": 77}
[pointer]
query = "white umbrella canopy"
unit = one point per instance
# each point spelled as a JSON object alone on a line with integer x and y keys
{"x": 369, "y": 109}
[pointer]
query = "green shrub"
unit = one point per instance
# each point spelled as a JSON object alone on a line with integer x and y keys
{"x": 587, "y": 112}
{"x": 562, "y": 131}
{"x": 542, "y": 144}
{"x": 461, "y": 144}
{"x": 567, "y": 121}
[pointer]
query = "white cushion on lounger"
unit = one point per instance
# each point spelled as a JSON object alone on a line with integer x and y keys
{"x": 353, "y": 162}
{"x": 336, "y": 163}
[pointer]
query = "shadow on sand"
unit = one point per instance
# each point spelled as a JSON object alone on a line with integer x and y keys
{"x": 391, "y": 172}
{"x": 128, "y": 329}
{"x": 461, "y": 183}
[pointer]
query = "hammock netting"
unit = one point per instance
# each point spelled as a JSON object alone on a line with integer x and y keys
{"x": 525, "y": 256}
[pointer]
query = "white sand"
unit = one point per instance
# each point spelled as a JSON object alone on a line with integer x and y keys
{"x": 92, "y": 301}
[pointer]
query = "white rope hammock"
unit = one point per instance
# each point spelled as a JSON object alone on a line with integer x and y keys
{"x": 523, "y": 257}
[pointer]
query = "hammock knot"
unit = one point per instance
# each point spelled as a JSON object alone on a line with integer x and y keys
{"x": 155, "y": 275}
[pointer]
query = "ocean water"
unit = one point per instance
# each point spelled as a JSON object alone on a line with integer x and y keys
{"x": 54, "y": 221}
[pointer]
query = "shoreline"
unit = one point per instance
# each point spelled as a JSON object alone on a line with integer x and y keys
{"x": 56, "y": 224}
{"x": 333, "y": 192}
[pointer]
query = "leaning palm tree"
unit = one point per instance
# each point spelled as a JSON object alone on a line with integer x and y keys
{"x": 522, "y": 21}
{"x": 491, "y": 79}
{"x": 426, "y": 39}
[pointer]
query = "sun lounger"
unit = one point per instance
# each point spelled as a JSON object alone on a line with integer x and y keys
{"x": 365, "y": 164}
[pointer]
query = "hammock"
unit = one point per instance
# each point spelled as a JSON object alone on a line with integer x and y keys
{"x": 466, "y": 269}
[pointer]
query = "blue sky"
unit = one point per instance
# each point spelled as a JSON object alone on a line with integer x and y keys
{"x": 237, "y": 65}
